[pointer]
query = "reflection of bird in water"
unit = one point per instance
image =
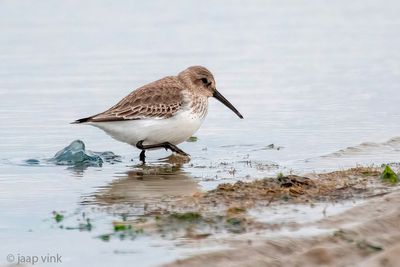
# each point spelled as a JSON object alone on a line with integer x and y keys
{"x": 147, "y": 184}
{"x": 163, "y": 113}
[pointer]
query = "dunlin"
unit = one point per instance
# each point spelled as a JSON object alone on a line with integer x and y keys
{"x": 163, "y": 113}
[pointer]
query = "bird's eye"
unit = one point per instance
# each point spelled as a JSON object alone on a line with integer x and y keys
{"x": 205, "y": 81}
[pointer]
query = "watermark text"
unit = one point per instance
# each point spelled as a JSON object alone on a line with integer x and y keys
{"x": 34, "y": 259}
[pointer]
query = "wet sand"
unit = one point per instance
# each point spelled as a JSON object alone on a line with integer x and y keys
{"x": 366, "y": 233}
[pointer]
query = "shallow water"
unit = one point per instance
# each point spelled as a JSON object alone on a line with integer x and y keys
{"x": 320, "y": 79}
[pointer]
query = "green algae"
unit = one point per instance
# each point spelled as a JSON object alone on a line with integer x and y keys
{"x": 388, "y": 175}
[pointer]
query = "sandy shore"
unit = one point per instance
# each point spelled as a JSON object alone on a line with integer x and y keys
{"x": 367, "y": 234}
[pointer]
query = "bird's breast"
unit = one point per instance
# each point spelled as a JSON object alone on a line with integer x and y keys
{"x": 199, "y": 107}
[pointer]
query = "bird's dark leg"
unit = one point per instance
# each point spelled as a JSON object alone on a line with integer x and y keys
{"x": 166, "y": 145}
{"x": 142, "y": 156}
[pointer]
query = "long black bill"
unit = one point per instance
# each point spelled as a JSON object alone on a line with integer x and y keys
{"x": 224, "y": 101}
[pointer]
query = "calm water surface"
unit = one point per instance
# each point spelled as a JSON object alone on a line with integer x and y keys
{"x": 320, "y": 79}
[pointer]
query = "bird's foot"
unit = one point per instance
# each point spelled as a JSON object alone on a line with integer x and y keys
{"x": 176, "y": 150}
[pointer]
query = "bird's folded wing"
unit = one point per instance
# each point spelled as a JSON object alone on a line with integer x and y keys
{"x": 159, "y": 99}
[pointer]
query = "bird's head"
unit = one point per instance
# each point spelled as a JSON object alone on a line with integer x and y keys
{"x": 201, "y": 80}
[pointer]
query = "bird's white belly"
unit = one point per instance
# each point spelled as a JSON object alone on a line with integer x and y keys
{"x": 175, "y": 130}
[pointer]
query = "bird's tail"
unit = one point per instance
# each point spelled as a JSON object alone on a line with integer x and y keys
{"x": 87, "y": 119}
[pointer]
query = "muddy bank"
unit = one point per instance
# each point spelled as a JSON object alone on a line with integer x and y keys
{"x": 367, "y": 235}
